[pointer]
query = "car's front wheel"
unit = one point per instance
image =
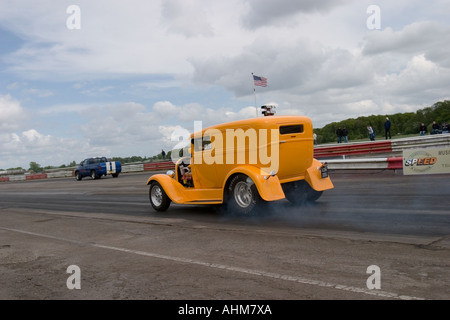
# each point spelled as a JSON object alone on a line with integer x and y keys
{"x": 158, "y": 197}
{"x": 243, "y": 197}
{"x": 78, "y": 176}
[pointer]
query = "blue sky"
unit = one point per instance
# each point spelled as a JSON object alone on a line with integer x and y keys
{"x": 136, "y": 73}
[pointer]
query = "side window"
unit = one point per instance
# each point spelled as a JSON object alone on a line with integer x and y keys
{"x": 201, "y": 144}
{"x": 291, "y": 129}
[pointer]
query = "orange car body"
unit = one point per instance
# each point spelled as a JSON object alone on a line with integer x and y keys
{"x": 272, "y": 151}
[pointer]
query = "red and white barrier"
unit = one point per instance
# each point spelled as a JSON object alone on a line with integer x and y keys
{"x": 391, "y": 163}
{"x": 343, "y": 149}
{"x": 36, "y": 176}
{"x": 155, "y": 166}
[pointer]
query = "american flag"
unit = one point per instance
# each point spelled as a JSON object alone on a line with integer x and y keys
{"x": 260, "y": 81}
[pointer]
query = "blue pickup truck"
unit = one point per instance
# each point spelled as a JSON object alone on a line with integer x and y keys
{"x": 97, "y": 167}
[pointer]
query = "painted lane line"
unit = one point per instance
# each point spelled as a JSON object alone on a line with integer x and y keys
{"x": 255, "y": 272}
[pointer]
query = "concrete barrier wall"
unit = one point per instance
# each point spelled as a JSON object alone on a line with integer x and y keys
{"x": 17, "y": 178}
{"x": 60, "y": 174}
{"x": 381, "y": 147}
{"x": 132, "y": 168}
{"x": 365, "y": 164}
{"x": 430, "y": 141}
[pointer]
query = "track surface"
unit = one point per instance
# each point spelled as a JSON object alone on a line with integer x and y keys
{"x": 125, "y": 250}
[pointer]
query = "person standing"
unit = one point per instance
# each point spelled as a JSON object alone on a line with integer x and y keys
{"x": 339, "y": 135}
{"x": 387, "y": 128}
{"x": 371, "y": 133}
{"x": 345, "y": 134}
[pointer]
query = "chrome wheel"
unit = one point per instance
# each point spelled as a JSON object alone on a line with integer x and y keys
{"x": 243, "y": 194}
{"x": 156, "y": 195}
{"x": 242, "y": 197}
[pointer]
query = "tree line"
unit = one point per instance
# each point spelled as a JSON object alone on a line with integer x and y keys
{"x": 402, "y": 123}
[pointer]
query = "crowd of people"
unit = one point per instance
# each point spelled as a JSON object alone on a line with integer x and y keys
{"x": 435, "y": 128}
{"x": 342, "y": 132}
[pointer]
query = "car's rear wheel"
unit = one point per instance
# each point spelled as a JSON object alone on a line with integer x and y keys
{"x": 295, "y": 192}
{"x": 300, "y": 192}
{"x": 93, "y": 174}
{"x": 158, "y": 197}
{"x": 243, "y": 197}
{"x": 313, "y": 195}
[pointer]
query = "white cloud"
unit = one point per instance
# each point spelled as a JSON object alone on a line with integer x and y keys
{"x": 418, "y": 82}
{"x": 31, "y": 145}
{"x": 425, "y": 37}
{"x": 188, "y": 17}
{"x": 139, "y": 37}
{"x": 11, "y": 113}
{"x": 38, "y": 93}
{"x": 165, "y": 109}
{"x": 262, "y": 13}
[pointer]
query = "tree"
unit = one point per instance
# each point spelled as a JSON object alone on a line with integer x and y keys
{"x": 35, "y": 167}
{"x": 403, "y": 123}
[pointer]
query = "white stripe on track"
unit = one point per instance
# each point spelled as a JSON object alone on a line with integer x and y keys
{"x": 379, "y": 293}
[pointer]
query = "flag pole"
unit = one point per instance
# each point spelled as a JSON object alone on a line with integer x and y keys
{"x": 254, "y": 93}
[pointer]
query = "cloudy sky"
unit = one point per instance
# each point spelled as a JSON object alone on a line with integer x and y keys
{"x": 123, "y": 78}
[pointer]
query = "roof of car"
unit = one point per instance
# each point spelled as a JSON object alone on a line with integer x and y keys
{"x": 260, "y": 122}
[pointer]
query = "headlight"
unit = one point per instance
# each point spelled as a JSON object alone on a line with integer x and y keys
{"x": 324, "y": 171}
{"x": 171, "y": 173}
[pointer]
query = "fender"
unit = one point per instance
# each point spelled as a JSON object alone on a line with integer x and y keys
{"x": 269, "y": 189}
{"x": 172, "y": 188}
{"x": 314, "y": 178}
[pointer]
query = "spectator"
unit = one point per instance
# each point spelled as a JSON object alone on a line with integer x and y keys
{"x": 315, "y": 138}
{"x": 435, "y": 128}
{"x": 339, "y": 135}
{"x": 371, "y": 133}
{"x": 423, "y": 129}
{"x": 163, "y": 153}
{"x": 387, "y": 128}
{"x": 445, "y": 127}
{"x": 345, "y": 134}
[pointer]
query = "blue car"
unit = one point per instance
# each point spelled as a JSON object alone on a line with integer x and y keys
{"x": 97, "y": 167}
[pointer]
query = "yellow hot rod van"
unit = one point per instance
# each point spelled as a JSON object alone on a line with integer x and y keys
{"x": 242, "y": 164}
